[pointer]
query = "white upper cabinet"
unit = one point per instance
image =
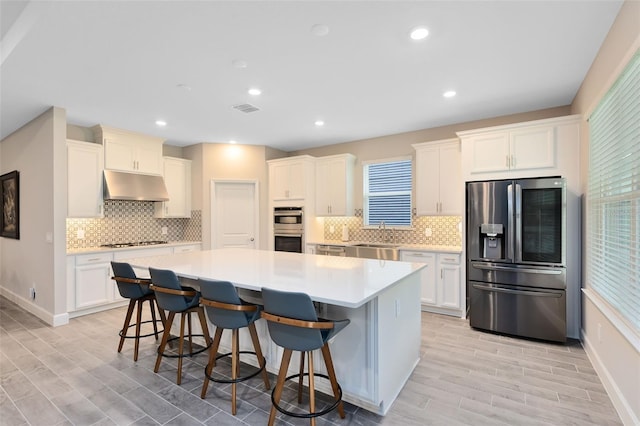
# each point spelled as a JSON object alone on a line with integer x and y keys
{"x": 528, "y": 148}
{"x": 291, "y": 178}
{"x": 517, "y": 150}
{"x": 177, "y": 178}
{"x": 130, "y": 152}
{"x": 439, "y": 184}
{"x": 334, "y": 185}
{"x": 84, "y": 179}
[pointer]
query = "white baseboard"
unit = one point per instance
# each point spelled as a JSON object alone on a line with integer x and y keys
{"x": 617, "y": 398}
{"x": 29, "y": 306}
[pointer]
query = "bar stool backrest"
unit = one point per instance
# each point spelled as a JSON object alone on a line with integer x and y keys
{"x": 169, "y": 302}
{"x": 128, "y": 290}
{"x": 297, "y": 306}
{"x": 225, "y": 292}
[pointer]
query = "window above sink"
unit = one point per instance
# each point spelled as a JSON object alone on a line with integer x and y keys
{"x": 387, "y": 188}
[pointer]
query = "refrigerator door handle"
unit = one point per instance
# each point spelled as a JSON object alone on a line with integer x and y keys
{"x": 518, "y": 224}
{"x": 520, "y": 292}
{"x": 490, "y": 267}
{"x": 510, "y": 230}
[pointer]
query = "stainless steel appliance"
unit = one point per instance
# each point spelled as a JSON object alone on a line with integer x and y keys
{"x": 288, "y": 229}
{"x": 134, "y": 186}
{"x": 133, "y": 244}
{"x": 516, "y": 257}
{"x": 329, "y": 250}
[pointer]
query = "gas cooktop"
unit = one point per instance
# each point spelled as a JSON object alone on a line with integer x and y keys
{"x": 133, "y": 244}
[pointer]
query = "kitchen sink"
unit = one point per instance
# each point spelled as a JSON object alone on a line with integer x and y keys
{"x": 373, "y": 251}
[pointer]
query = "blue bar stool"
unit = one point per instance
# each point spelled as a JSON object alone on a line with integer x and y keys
{"x": 227, "y": 311}
{"x": 294, "y": 326}
{"x": 137, "y": 291}
{"x": 175, "y": 299}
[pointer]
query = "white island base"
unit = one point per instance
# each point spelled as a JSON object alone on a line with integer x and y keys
{"x": 373, "y": 356}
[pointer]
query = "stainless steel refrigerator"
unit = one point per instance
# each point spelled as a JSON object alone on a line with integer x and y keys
{"x": 516, "y": 257}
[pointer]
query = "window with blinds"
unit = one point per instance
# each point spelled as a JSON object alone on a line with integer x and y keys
{"x": 387, "y": 193}
{"x": 613, "y": 221}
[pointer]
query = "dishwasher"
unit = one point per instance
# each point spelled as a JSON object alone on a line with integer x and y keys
{"x": 329, "y": 250}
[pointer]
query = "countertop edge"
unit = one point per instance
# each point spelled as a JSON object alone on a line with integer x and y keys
{"x": 90, "y": 250}
{"x": 402, "y": 247}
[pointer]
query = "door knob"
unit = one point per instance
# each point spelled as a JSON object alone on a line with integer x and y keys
{"x": 251, "y": 239}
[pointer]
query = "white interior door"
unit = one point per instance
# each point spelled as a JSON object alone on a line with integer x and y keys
{"x": 234, "y": 214}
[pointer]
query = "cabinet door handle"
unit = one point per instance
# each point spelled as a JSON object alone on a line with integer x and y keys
{"x": 441, "y": 273}
{"x": 513, "y": 161}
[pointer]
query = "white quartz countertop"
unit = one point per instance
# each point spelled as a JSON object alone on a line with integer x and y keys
{"x": 89, "y": 250}
{"x": 342, "y": 281}
{"x": 415, "y": 247}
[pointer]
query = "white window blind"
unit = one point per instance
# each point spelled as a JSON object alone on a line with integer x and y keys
{"x": 387, "y": 193}
{"x": 613, "y": 221}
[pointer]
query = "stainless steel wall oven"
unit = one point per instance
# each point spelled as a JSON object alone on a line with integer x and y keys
{"x": 288, "y": 229}
{"x": 516, "y": 257}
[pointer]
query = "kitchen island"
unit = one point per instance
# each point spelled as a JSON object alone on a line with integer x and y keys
{"x": 374, "y": 356}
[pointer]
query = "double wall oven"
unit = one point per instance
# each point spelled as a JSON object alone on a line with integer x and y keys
{"x": 288, "y": 229}
{"x": 516, "y": 257}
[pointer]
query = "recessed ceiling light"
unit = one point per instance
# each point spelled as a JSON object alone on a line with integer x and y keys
{"x": 449, "y": 94}
{"x": 161, "y": 123}
{"x": 319, "y": 123}
{"x": 319, "y": 30}
{"x": 254, "y": 91}
{"x": 232, "y": 142}
{"x": 419, "y": 33}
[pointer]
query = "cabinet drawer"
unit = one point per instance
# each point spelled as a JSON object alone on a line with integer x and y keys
{"x": 88, "y": 259}
{"x": 131, "y": 254}
{"x": 416, "y": 256}
{"x": 186, "y": 249}
{"x": 453, "y": 259}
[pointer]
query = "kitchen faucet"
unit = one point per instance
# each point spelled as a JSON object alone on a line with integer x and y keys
{"x": 382, "y": 228}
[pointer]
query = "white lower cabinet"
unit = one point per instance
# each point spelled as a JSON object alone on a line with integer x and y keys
{"x": 440, "y": 280}
{"x": 449, "y": 281}
{"x": 92, "y": 281}
{"x": 89, "y": 285}
{"x": 428, "y": 294}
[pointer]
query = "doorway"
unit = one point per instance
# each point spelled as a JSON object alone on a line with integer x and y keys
{"x": 234, "y": 214}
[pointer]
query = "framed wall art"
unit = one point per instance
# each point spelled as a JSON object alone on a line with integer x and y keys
{"x": 10, "y": 196}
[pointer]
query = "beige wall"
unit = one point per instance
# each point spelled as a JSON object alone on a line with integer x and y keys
{"x": 228, "y": 162}
{"x": 38, "y": 152}
{"x": 617, "y": 361}
{"x": 79, "y": 133}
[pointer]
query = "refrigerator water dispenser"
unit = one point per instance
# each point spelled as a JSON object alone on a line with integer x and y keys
{"x": 492, "y": 240}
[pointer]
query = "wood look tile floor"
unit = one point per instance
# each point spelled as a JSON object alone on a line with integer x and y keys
{"x": 73, "y": 375}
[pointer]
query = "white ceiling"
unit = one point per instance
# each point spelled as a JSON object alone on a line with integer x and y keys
{"x": 122, "y": 63}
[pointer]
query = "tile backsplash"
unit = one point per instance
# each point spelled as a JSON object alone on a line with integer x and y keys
{"x": 126, "y": 221}
{"x": 445, "y": 230}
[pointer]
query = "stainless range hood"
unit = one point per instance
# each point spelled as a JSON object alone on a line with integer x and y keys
{"x": 132, "y": 186}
